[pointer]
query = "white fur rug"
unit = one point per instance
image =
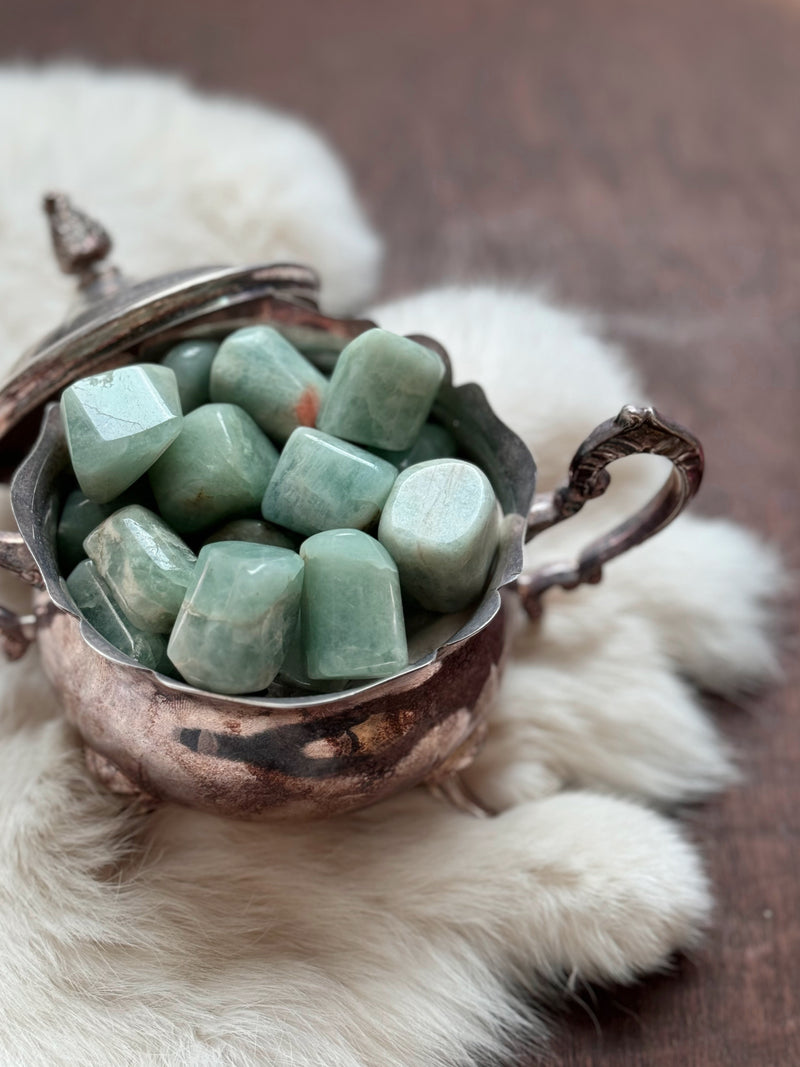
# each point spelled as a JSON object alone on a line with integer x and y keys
{"x": 407, "y": 935}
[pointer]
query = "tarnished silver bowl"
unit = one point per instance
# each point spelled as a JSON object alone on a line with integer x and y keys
{"x": 273, "y": 755}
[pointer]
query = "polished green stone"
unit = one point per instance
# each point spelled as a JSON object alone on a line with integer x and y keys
{"x": 191, "y": 362}
{"x": 322, "y": 483}
{"x": 117, "y": 425}
{"x": 145, "y": 564}
{"x": 352, "y": 612}
{"x": 94, "y": 601}
{"x": 256, "y": 531}
{"x": 216, "y": 468}
{"x": 238, "y": 617}
{"x": 381, "y": 391}
{"x": 440, "y": 525}
{"x": 294, "y": 670}
{"x": 80, "y": 515}
{"x": 259, "y": 370}
{"x": 434, "y": 442}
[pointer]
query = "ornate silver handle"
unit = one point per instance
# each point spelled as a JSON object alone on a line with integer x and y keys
{"x": 17, "y": 631}
{"x": 634, "y": 431}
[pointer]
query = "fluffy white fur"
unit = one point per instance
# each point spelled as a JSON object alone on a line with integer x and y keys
{"x": 178, "y": 179}
{"x": 407, "y": 935}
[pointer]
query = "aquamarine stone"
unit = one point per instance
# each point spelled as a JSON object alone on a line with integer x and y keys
{"x": 217, "y": 467}
{"x": 253, "y": 530}
{"x": 352, "y": 611}
{"x": 80, "y": 515}
{"x": 191, "y": 362}
{"x": 381, "y": 391}
{"x": 94, "y": 601}
{"x": 145, "y": 564}
{"x": 434, "y": 442}
{"x": 441, "y": 525}
{"x": 322, "y": 483}
{"x": 294, "y": 671}
{"x": 117, "y": 425}
{"x": 263, "y": 373}
{"x": 238, "y": 617}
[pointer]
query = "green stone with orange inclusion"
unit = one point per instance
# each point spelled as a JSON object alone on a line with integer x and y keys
{"x": 258, "y": 369}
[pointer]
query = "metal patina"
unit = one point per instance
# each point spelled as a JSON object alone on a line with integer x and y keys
{"x": 274, "y": 755}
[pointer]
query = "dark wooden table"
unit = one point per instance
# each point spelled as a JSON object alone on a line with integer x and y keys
{"x": 644, "y": 159}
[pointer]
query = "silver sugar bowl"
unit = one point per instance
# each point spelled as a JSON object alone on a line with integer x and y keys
{"x": 274, "y": 755}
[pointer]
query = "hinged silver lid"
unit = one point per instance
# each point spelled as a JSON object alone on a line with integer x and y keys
{"x": 115, "y": 318}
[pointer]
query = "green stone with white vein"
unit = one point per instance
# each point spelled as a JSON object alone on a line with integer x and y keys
{"x": 145, "y": 564}
{"x": 441, "y": 525}
{"x": 93, "y": 599}
{"x": 258, "y": 369}
{"x": 381, "y": 391}
{"x": 322, "y": 483}
{"x": 237, "y": 620}
{"x": 216, "y": 468}
{"x": 352, "y": 611}
{"x": 117, "y": 425}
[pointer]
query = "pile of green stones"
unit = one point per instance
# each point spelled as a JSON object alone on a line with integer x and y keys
{"x": 197, "y": 548}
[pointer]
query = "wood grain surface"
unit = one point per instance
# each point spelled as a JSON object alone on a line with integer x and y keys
{"x": 642, "y": 159}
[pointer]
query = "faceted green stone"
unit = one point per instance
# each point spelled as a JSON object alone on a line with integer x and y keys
{"x": 217, "y": 467}
{"x": 352, "y": 612}
{"x": 434, "y": 442}
{"x": 440, "y": 525}
{"x": 260, "y": 371}
{"x": 381, "y": 391}
{"x": 256, "y": 531}
{"x": 322, "y": 483}
{"x": 80, "y": 515}
{"x": 145, "y": 564}
{"x": 191, "y": 362}
{"x": 117, "y": 425}
{"x": 238, "y": 617}
{"x": 94, "y": 601}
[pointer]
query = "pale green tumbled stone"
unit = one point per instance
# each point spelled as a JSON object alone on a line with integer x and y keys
{"x": 217, "y": 467}
{"x": 94, "y": 601}
{"x": 117, "y": 425}
{"x": 146, "y": 565}
{"x": 441, "y": 525}
{"x": 352, "y": 611}
{"x": 238, "y": 617}
{"x": 294, "y": 671}
{"x": 434, "y": 442}
{"x": 263, "y": 373}
{"x": 381, "y": 391}
{"x": 256, "y": 531}
{"x": 78, "y": 518}
{"x": 322, "y": 483}
{"x": 191, "y": 362}
{"x": 80, "y": 515}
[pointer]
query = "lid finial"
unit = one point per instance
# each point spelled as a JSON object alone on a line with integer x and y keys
{"x": 80, "y": 243}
